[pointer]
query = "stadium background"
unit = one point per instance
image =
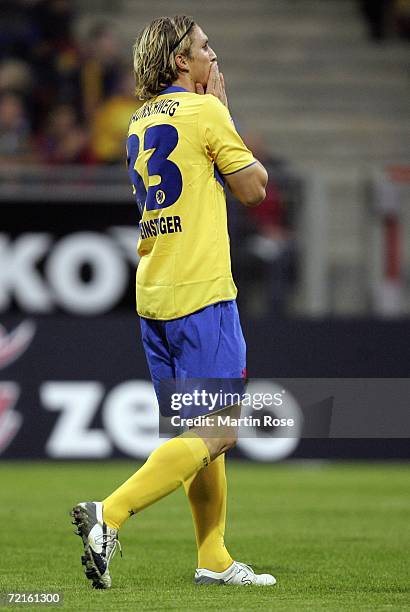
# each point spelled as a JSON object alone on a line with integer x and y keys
{"x": 320, "y": 90}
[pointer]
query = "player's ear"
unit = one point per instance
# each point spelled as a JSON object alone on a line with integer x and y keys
{"x": 182, "y": 63}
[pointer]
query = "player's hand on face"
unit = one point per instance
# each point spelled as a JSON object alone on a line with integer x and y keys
{"x": 215, "y": 85}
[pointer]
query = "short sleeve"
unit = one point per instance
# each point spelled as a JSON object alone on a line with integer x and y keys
{"x": 223, "y": 143}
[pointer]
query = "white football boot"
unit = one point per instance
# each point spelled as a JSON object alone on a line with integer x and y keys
{"x": 100, "y": 542}
{"x": 237, "y": 574}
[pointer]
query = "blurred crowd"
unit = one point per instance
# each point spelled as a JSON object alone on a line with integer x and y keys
{"x": 62, "y": 99}
{"x": 265, "y": 258}
{"x": 386, "y": 18}
{"x": 67, "y": 99}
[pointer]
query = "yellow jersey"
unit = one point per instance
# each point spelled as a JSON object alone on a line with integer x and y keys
{"x": 179, "y": 144}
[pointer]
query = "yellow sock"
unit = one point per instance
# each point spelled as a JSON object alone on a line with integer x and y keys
{"x": 206, "y": 492}
{"x": 165, "y": 470}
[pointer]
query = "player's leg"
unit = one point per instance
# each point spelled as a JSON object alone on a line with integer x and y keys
{"x": 220, "y": 352}
{"x": 178, "y": 459}
{"x": 168, "y": 467}
{"x": 206, "y": 492}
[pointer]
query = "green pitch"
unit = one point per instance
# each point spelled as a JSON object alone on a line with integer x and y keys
{"x": 336, "y": 536}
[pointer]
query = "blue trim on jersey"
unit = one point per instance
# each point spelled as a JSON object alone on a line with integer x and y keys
{"x": 218, "y": 176}
{"x": 172, "y": 89}
{"x": 240, "y": 169}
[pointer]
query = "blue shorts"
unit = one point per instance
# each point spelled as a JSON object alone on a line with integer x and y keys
{"x": 207, "y": 344}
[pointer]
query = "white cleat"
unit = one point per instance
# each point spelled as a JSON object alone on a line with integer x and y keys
{"x": 237, "y": 574}
{"x": 99, "y": 541}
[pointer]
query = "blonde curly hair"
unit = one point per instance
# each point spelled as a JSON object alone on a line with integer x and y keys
{"x": 154, "y": 53}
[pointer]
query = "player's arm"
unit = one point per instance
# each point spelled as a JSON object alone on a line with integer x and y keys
{"x": 245, "y": 176}
{"x": 248, "y": 185}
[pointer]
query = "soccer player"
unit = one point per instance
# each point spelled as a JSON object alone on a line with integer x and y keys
{"x": 182, "y": 147}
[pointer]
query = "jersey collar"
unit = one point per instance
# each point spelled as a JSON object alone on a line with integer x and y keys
{"x": 172, "y": 89}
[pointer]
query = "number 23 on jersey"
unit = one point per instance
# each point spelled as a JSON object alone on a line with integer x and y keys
{"x": 163, "y": 139}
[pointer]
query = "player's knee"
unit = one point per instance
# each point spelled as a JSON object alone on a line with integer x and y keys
{"x": 229, "y": 442}
{"x": 217, "y": 446}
